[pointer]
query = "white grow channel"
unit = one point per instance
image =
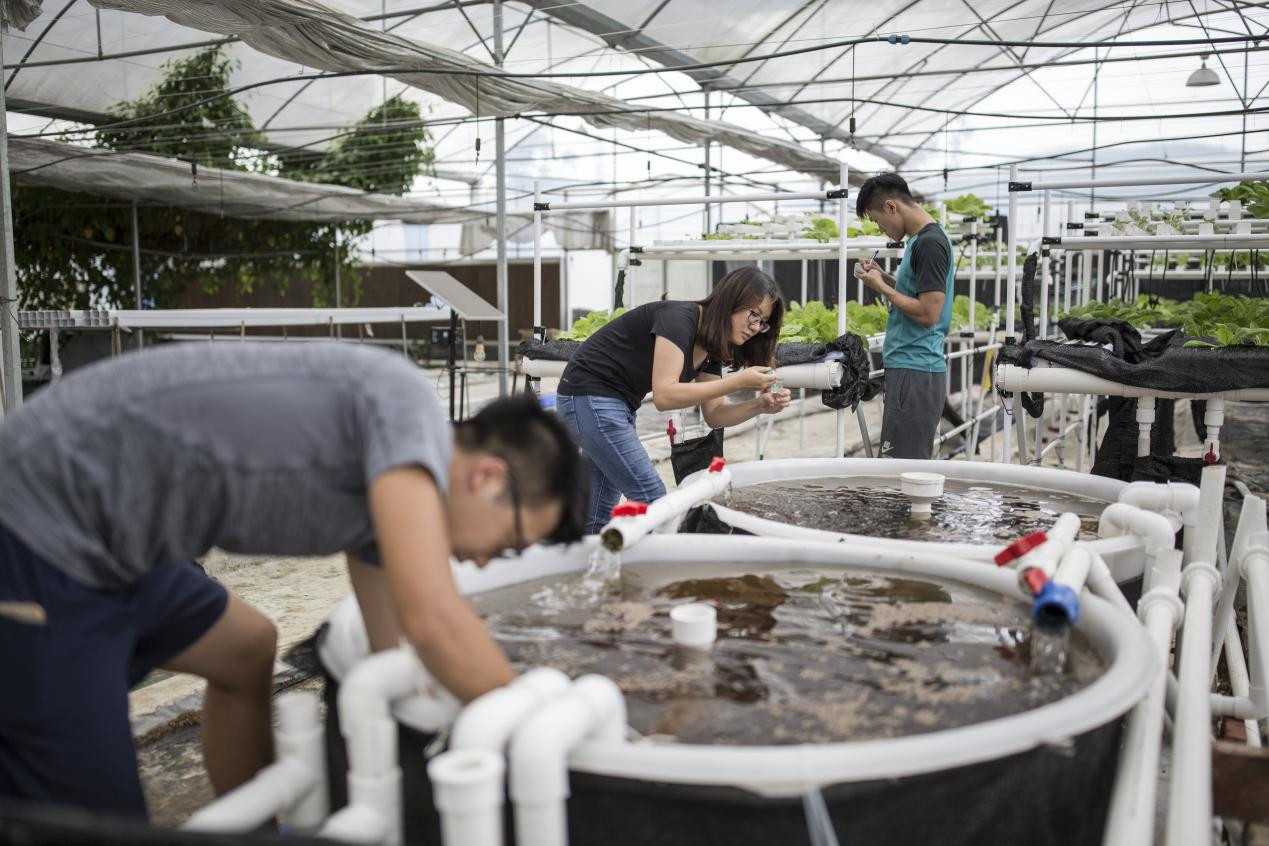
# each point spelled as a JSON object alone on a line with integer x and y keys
{"x": 564, "y": 748}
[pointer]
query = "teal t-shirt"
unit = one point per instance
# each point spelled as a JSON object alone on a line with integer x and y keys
{"x": 927, "y": 266}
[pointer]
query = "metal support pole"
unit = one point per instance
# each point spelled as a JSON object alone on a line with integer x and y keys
{"x": 564, "y": 321}
{"x": 1046, "y": 282}
{"x": 802, "y": 391}
{"x": 709, "y": 214}
{"x": 1012, "y": 259}
{"x": 500, "y": 152}
{"x": 537, "y": 258}
{"x": 339, "y": 298}
{"x": 973, "y": 272}
{"x": 450, "y": 358}
{"x": 10, "y": 352}
{"x": 136, "y": 268}
{"x": 842, "y": 255}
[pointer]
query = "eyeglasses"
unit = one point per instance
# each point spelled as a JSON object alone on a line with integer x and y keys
{"x": 756, "y": 319}
{"x": 518, "y": 538}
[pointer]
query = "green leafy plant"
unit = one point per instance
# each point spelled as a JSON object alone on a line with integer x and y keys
{"x": 983, "y": 314}
{"x": 813, "y": 323}
{"x": 1253, "y": 195}
{"x": 823, "y": 229}
{"x": 969, "y": 204}
{"x": 589, "y": 324}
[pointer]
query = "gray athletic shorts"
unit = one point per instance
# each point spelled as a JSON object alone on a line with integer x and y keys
{"x": 913, "y": 406}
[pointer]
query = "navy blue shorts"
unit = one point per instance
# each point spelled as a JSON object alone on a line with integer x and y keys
{"x": 68, "y": 656}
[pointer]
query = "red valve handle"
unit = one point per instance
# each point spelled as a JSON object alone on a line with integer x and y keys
{"x": 717, "y": 464}
{"x": 1020, "y": 547}
{"x": 629, "y": 508}
{"x": 1035, "y": 579}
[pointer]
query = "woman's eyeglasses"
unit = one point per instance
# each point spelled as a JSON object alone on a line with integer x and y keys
{"x": 756, "y": 319}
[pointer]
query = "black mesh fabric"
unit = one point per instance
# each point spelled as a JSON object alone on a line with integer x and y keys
{"x": 558, "y": 350}
{"x": 856, "y": 386}
{"x": 704, "y": 520}
{"x": 1166, "y": 364}
{"x": 1117, "y": 453}
{"x": 694, "y": 454}
{"x": 1049, "y": 796}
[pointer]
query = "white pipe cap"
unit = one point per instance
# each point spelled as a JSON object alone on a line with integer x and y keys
{"x": 694, "y": 624}
{"x": 922, "y": 489}
{"x": 467, "y": 780}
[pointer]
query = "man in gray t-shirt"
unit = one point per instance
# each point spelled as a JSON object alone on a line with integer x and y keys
{"x": 123, "y": 473}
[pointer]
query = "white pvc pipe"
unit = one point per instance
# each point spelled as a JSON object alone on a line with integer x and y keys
{"x": 366, "y": 695}
{"x": 1120, "y": 519}
{"x": 592, "y": 709}
{"x": 355, "y": 824}
{"x": 467, "y": 789}
{"x": 1214, "y": 418}
{"x": 489, "y": 720}
{"x": 1179, "y": 498}
{"x": 1063, "y": 380}
{"x": 843, "y": 206}
{"x": 295, "y": 785}
{"x": 708, "y": 199}
{"x": 1130, "y": 821}
{"x": 623, "y": 532}
{"x": 271, "y": 791}
{"x": 300, "y": 736}
{"x": 1190, "y": 797}
{"x": 1125, "y": 182}
{"x": 1145, "y": 422}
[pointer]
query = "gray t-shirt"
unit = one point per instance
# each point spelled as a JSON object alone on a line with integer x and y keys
{"x": 256, "y": 448}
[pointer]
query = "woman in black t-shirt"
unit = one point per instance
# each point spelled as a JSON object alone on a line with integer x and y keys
{"x": 675, "y": 350}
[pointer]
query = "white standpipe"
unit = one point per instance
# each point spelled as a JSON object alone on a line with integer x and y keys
{"x": 1190, "y": 798}
{"x": 373, "y": 813}
{"x": 294, "y": 785}
{"x": 467, "y": 790}
{"x": 623, "y": 532}
{"x": 1145, "y": 422}
{"x": 1130, "y": 821}
{"x": 921, "y": 489}
{"x": 1213, "y": 419}
{"x": 592, "y": 709}
{"x": 694, "y": 625}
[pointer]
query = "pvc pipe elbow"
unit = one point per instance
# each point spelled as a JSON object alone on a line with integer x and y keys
{"x": 272, "y": 790}
{"x": 373, "y": 684}
{"x": 1119, "y": 518}
{"x": 1056, "y": 607}
{"x": 355, "y": 824}
{"x": 592, "y": 707}
{"x": 488, "y": 721}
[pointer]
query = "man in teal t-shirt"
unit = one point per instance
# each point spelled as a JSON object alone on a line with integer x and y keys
{"x": 920, "y": 299}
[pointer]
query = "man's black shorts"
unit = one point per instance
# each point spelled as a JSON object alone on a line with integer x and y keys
{"x": 68, "y": 656}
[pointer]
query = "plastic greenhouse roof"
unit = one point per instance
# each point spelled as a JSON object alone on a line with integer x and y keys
{"x": 906, "y": 95}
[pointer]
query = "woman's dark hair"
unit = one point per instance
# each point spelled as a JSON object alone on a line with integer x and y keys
{"x": 743, "y": 288}
{"x": 543, "y": 457}
{"x": 877, "y": 189}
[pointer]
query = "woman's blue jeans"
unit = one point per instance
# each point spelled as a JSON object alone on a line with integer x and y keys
{"x": 618, "y": 463}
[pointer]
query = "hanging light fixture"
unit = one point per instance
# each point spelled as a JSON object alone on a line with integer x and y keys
{"x": 1203, "y": 77}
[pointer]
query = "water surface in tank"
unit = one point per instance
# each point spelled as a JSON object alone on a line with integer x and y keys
{"x": 968, "y": 511}
{"x": 803, "y": 655}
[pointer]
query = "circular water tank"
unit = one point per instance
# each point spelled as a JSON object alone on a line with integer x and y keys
{"x": 1040, "y": 776}
{"x": 1124, "y": 556}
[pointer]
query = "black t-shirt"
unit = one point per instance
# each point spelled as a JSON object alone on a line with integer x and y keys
{"x": 617, "y": 360}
